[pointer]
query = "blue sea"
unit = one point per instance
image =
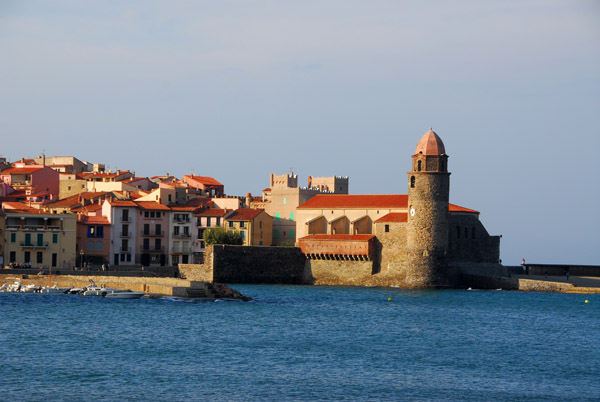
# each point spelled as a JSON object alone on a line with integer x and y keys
{"x": 302, "y": 343}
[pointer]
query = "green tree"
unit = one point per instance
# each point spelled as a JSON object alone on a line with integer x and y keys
{"x": 220, "y": 235}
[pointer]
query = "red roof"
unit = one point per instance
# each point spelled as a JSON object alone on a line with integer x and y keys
{"x": 393, "y": 217}
{"x": 22, "y": 170}
{"x": 122, "y": 203}
{"x": 430, "y": 144}
{"x": 152, "y": 205}
{"x": 325, "y": 201}
{"x": 244, "y": 214}
{"x": 94, "y": 220}
{"x": 207, "y": 181}
{"x": 213, "y": 212}
{"x": 338, "y": 237}
{"x": 456, "y": 208}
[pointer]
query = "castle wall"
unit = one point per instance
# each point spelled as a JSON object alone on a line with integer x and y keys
{"x": 468, "y": 240}
{"x": 391, "y": 247}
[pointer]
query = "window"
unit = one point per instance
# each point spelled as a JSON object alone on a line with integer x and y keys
{"x": 13, "y": 256}
{"x": 158, "y": 229}
{"x": 473, "y": 233}
{"x": 99, "y": 245}
{"x": 466, "y": 233}
{"x": 387, "y": 228}
{"x": 458, "y": 232}
{"x": 13, "y": 237}
{"x": 27, "y": 257}
{"x": 146, "y": 214}
{"x": 208, "y": 222}
{"x": 40, "y": 239}
{"x": 230, "y": 224}
{"x": 176, "y": 230}
{"x": 28, "y": 240}
{"x": 260, "y": 224}
{"x": 291, "y": 234}
{"x": 152, "y": 214}
{"x": 146, "y": 229}
{"x": 200, "y": 233}
{"x": 412, "y": 182}
{"x": 276, "y": 216}
{"x": 39, "y": 258}
{"x": 218, "y": 221}
{"x": 146, "y": 244}
{"x": 157, "y": 244}
{"x": 292, "y": 216}
{"x": 277, "y": 233}
{"x": 100, "y": 232}
{"x": 242, "y": 224}
{"x": 54, "y": 238}
{"x": 284, "y": 200}
{"x": 91, "y": 231}
{"x": 419, "y": 166}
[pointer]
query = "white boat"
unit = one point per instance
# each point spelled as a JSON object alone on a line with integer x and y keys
{"x": 54, "y": 289}
{"x": 95, "y": 290}
{"x": 29, "y": 288}
{"x": 124, "y": 294}
{"x": 15, "y": 287}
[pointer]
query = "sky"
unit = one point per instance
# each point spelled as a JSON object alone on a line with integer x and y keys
{"x": 237, "y": 90}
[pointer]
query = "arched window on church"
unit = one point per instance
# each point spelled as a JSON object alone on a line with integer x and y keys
{"x": 412, "y": 182}
{"x": 473, "y": 233}
{"x": 418, "y": 166}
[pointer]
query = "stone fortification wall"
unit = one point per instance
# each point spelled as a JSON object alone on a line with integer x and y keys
{"x": 243, "y": 264}
{"x": 468, "y": 240}
{"x": 391, "y": 248}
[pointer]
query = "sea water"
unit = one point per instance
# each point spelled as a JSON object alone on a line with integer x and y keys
{"x": 303, "y": 343}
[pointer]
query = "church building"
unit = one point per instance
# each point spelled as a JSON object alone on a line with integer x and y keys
{"x": 414, "y": 240}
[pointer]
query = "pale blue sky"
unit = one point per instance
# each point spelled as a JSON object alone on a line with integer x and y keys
{"x": 239, "y": 89}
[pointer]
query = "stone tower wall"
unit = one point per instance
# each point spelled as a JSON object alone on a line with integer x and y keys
{"x": 427, "y": 229}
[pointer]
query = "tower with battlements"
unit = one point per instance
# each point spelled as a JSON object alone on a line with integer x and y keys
{"x": 427, "y": 229}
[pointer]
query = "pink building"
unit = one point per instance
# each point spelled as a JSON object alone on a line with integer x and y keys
{"x": 36, "y": 184}
{"x": 210, "y": 186}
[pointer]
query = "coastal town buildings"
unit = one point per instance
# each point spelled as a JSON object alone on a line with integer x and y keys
{"x": 255, "y": 225}
{"x": 37, "y": 238}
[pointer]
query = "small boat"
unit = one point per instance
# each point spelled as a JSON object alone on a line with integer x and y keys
{"x": 30, "y": 288}
{"x": 54, "y": 289}
{"x": 124, "y": 294}
{"x": 95, "y": 290}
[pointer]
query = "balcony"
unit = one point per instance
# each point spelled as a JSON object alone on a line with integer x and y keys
{"x": 125, "y": 219}
{"x": 181, "y": 219}
{"x": 125, "y": 234}
{"x": 25, "y": 244}
{"x": 125, "y": 249}
{"x": 147, "y": 233}
{"x": 181, "y": 250}
{"x": 182, "y": 235}
{"x": 153, "y": 249}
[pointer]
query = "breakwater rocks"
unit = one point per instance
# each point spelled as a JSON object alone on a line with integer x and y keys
{"x": 153, "y": 287}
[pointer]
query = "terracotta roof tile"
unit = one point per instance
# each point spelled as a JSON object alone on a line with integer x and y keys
{"x": 213, "y": 212}
{"x": 393, "y": 217}
{"x": 94, "y": 220}
{"x": 152, "y": 205}
{"x": 207, "y": 181}
{"x": 244, "y": 214}
{"x": 456, "y": 208}
{"x": 325, "y": 201}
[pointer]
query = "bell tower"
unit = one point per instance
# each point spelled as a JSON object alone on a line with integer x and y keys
{"x": 428, "y": 196}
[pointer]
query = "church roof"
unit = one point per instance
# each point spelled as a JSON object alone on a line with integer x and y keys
{"x": 430, "y": 144}
{"x": 326, "y": 201}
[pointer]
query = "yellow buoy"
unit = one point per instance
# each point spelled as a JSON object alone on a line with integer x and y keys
{"x": 390, "y": 299}
{"x": 587, "y": 301}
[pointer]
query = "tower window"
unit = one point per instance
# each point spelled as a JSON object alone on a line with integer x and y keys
{"x": 419, "y": 166}
{"x": 466, "y": 233}
{"x": 387, "y": 228}
{"x": 458, "y": 232}
{"x": 412, "y": 182}
{"x": 473, "y": 233}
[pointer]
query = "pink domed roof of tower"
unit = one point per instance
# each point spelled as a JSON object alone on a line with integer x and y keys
{"x": 430, "y": 144}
